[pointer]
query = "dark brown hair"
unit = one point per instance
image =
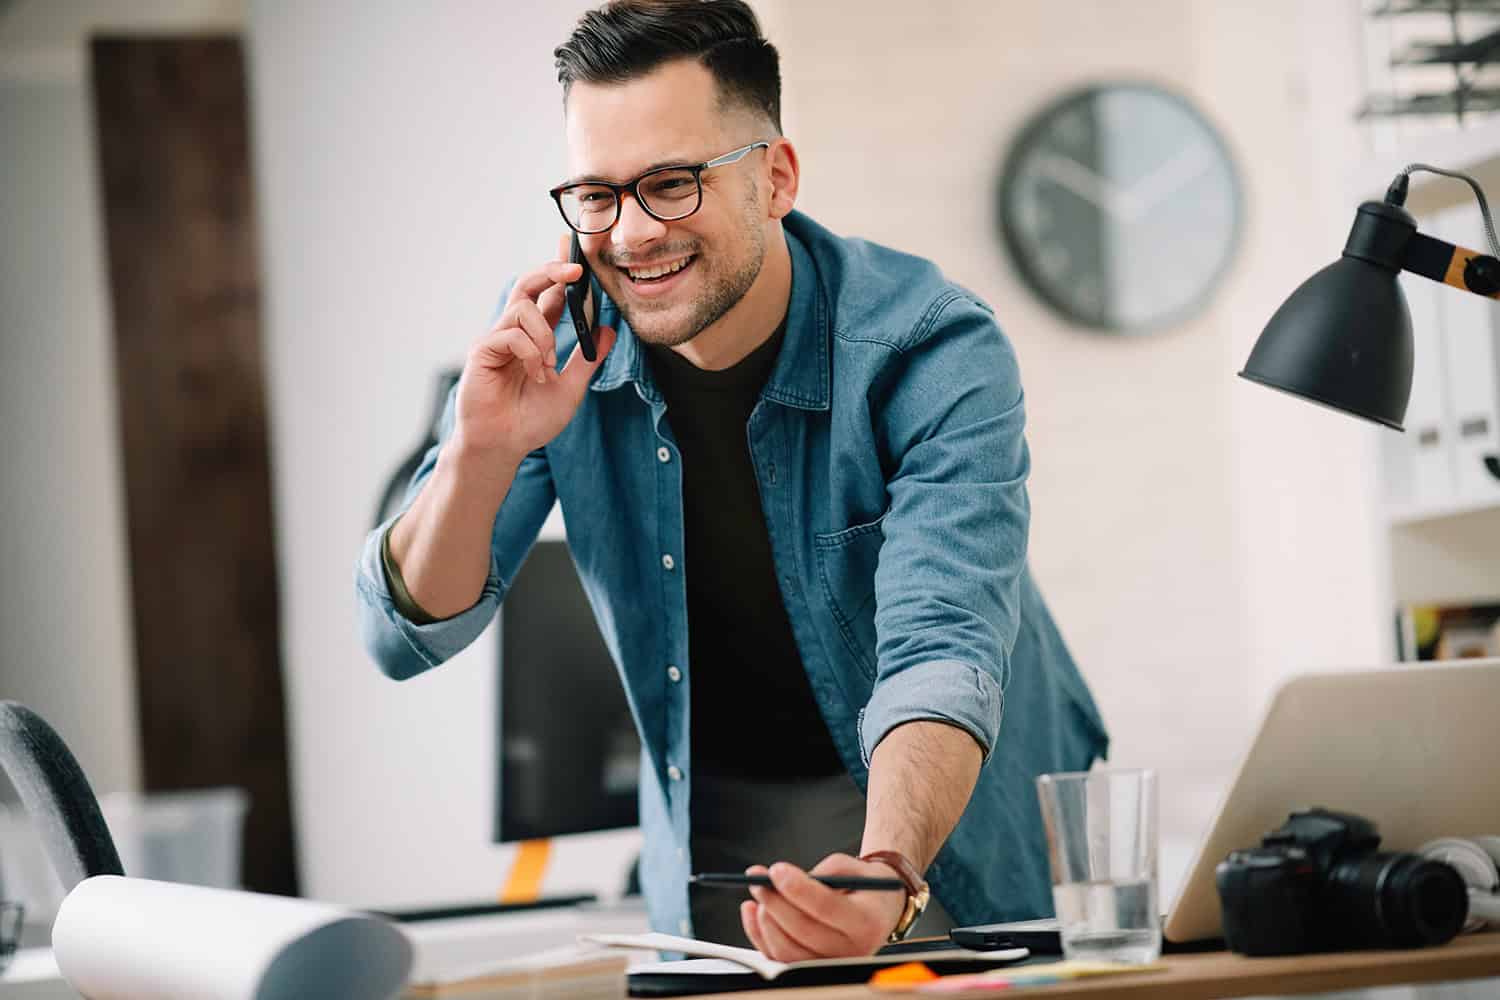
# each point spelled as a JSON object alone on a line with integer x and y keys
{"x": 626, "y": 39}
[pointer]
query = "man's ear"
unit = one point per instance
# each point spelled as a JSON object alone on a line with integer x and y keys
{"x": 785, "y": 171}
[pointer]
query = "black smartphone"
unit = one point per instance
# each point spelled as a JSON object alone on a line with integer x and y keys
{"x": 991, "y": 937}
{"x": 582, "y": 305}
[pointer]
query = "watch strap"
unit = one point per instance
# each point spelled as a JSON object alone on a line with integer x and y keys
{"x": 917, "y": 891}
{"x": 905, "y": 870}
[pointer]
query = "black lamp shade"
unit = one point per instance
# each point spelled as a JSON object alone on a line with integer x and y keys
{"x": 1343, "y": 339}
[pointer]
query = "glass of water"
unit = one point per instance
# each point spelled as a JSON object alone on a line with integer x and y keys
{"x": 1101, "y": 837}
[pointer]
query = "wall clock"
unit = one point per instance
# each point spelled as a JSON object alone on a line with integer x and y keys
{"x": 1121, "y": 207}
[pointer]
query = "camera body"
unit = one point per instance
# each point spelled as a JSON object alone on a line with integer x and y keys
{"x": 1318, "y": 884}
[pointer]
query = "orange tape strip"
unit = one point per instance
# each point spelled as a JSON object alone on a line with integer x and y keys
{"x": 524, "y": 884}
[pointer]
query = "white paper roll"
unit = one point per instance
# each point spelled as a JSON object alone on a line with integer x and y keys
{"x": 119, "y": 938}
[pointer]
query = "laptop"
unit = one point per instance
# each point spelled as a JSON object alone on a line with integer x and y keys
{"x": 1410, "y": 746}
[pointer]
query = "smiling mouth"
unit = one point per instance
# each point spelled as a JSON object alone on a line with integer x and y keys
{"x": 657, "y": 273}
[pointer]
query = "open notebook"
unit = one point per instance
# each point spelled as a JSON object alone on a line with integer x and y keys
{"x": 718, "y": 967}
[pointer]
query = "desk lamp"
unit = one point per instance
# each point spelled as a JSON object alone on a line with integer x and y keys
{"x": 1343, "y": 339}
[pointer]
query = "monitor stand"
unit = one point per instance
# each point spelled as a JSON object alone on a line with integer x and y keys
{"x": 484, "y": 909}
{"x": 522, "y": 890}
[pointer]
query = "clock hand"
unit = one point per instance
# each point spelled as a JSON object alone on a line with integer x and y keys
{"x": 1069, "y": 173}
{"x": 1167, "y": 179}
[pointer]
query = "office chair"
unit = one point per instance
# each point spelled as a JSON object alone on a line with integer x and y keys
{"x": 57, "y": 797}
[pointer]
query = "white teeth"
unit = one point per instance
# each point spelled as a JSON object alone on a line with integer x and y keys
{"x": 657, "y": 272}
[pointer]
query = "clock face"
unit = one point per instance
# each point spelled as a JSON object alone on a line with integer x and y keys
{"x": 1120, "y": 207}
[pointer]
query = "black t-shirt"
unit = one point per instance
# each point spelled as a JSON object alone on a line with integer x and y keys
{"x": 753, "y": 713}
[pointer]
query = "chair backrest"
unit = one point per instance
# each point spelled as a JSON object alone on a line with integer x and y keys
{"x": 57, "y": 796}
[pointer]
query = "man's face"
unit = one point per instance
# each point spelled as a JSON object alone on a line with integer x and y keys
{"x": 616, "y": 132}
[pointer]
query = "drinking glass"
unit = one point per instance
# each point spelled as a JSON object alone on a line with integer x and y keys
{"x": 1101, "y": 839}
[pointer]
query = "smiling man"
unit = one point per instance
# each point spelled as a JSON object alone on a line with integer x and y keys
{"x": 794, "y": 488}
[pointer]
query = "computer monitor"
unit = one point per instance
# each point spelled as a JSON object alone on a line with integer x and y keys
{"x": 569, "y": 756}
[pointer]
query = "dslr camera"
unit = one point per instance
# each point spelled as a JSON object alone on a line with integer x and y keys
{"x": 1318, "y": 884}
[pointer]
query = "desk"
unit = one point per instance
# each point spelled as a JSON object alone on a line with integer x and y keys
{"x": 1220, "y": 974}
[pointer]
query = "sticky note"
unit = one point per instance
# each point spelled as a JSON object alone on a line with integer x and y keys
{"x": 903, "y": 975}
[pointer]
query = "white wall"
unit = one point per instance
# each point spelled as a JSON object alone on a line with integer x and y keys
{"x": 66, "y": 642}
{"x": 403, "y": 155}
{"x": 1197, "y": 537}
{"x": 1311, "y": 537}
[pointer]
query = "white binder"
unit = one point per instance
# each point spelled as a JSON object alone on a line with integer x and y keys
{"x": 1473, "y": 369}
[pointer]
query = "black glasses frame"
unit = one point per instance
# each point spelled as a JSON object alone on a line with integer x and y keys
{"x": 632, "y": 188}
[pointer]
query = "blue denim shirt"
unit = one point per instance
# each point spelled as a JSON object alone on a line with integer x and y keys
{"x": 888, "y": 446}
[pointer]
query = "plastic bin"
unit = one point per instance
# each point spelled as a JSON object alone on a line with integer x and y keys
{"x": 191, "y": 836}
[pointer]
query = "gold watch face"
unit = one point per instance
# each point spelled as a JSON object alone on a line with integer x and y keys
{"x": 915, "y": 906}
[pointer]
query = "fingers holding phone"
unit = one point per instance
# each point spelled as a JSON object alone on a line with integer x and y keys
{"x": 511, "y": 397}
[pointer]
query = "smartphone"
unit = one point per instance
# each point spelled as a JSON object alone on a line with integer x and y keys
{"x": 1040, "y": 936}
{"x": 582, "y": 305}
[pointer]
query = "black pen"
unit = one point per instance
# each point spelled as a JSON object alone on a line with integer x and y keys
{"x": 731, "y": 880}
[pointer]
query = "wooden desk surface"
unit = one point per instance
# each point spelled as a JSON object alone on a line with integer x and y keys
{"x": 1220, "y": 974}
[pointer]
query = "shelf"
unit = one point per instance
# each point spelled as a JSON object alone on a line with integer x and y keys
{"x": 1476, "y": 102}
{"x": 1410, "y": 516}
{"x": 1435, "y": 7}
{"x": 1428, "y": 52}
{"x": 1468, "y": 150}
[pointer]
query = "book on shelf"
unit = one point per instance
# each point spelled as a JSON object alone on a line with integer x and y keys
{"x": 1448, "y": 631}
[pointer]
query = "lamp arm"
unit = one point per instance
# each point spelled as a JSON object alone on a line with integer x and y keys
{"x": 1452, "y": 265}
{"x": 1396, "y": 195}
{"x": 1458, "y": 266}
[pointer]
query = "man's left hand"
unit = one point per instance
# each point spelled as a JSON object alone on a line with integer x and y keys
{"x": 803, "y": 919}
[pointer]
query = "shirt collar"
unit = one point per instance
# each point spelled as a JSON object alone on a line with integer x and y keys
{"x": 801, "y": 376}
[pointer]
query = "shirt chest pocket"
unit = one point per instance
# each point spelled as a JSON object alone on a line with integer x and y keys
{"x": 846, "y": 568}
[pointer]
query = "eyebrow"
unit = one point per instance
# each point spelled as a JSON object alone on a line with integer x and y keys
{"x": 679, "y": 161}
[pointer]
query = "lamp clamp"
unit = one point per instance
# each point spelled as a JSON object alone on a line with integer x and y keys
{"x": 1482, "y": 275}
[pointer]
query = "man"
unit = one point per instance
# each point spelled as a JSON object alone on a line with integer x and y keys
{"x": 794, "y": 488}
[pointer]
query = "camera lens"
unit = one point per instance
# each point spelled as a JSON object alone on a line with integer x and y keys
{"x": 1395, "y": 901}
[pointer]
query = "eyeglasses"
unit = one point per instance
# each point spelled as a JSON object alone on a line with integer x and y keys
{"x": 666, "y": 194}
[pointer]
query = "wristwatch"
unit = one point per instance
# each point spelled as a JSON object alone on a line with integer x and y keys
{"x": 917, "y": 893}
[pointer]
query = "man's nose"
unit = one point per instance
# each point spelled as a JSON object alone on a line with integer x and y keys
{"x": 635, "y": 227}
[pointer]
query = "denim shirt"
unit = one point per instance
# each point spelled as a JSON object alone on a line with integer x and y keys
{"x": 889, "y": 451}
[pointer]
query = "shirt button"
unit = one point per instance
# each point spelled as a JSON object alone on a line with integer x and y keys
{"x": 673, "y": 674}
{"x": 663, "y": 455}
{"x": 674, "y": 772}
{"x": 667, "y": 562}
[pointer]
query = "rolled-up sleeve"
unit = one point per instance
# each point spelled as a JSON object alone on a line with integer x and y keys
{"x": 401, "y": 647}
{"x": 955, "y": 534}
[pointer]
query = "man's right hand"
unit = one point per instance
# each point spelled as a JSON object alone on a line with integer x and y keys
{"x": 511, "y": 401}
{"x": 511, "y": 398}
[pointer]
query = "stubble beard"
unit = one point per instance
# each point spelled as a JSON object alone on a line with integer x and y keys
{"x": 720, "y": 294}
